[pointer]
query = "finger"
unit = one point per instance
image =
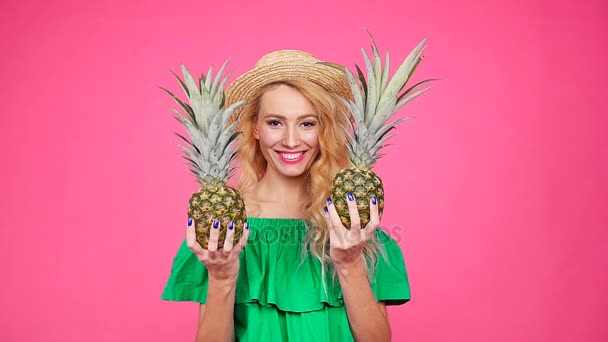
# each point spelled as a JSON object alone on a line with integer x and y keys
{"x": 353, "y": 211}
{"x": 330, "y": 226}
{"x": 214, "y": 236}
{"x": 374, "y": 219}
{"x": 228, "y": 243}
{"x": 327, "y": 218}
{"x": 191, "y": 242}
{"x": 335, "y": 222}
{"x": 243, "y": 240}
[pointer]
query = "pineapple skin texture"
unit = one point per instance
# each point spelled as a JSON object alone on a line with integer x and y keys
{"x": 364, "y": 184}
{"x": 221, "y": 203}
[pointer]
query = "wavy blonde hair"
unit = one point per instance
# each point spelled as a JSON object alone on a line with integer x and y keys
{"x": 332, "y": 157}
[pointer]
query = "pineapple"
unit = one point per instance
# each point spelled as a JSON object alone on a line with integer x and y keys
{"x": 374, "y": 102}
{"x": 209, "y": 153}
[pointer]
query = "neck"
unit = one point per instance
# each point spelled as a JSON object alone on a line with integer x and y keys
{"x": 274, "y": 186}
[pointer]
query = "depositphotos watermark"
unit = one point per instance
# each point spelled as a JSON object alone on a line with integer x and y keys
{"x": 286, "y": 236}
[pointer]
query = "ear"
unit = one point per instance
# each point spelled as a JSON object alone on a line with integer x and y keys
{"x": 256, "y": 134}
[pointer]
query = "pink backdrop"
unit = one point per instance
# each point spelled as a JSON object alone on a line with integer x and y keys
{"x": 499, "y": 185}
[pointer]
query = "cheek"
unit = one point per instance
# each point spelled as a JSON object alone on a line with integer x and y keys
{"x": 266, "y": 138}
{"x": 311, "y": 138}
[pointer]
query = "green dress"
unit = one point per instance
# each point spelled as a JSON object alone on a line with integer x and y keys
{"x": 279, "y": 295}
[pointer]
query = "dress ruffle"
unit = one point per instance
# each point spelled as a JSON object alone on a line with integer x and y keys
{"x": 273, "y": 272}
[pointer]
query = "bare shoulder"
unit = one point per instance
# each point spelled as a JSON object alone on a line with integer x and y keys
{"x": 252, "y": 203}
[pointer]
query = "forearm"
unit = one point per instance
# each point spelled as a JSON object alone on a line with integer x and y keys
{"x": 217, "y": 323}
{"x": 367, "y": 322}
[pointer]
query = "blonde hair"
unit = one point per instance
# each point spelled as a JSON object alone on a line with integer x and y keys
{"x": 332, "y": 157}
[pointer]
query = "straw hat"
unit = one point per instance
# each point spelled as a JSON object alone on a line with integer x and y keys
{"x": 287, "y": 65}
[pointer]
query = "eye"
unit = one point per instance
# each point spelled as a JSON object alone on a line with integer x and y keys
{"x": 273, "y": 123}
{"x": 309, "y": 124}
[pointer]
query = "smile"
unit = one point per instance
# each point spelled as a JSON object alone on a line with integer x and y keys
{"x": 291, "y": 157}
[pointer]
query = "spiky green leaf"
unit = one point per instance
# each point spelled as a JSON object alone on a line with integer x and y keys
{"x": 414, "y": 87}
{"x": 362, "y": 80}
{"x": 410, "y": 97}
{"x": 182, "y": 84}
{"x": 385, "y": 73}
{"x": 209, "y": 78}
{"x": 216, "y": 81}
{"x": 372, "y": 90}
{"x": 180, "y": 103}
{"x": 355, "y": 90}
{"x": 402, "y": 74}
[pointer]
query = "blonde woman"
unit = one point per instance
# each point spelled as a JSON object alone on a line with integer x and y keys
{"x": 303, "y": 276}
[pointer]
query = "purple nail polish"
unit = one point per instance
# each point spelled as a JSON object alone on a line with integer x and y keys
{"x": 350, "y": 196}
{"x": 189, "y": 221}
{"x": 325, "y": 208}
{"x": 374, "y": 200}
{"x": 230, "y": 225}
{"x": 246, "y": 225}
{"x": 329, "y": 201}
{"x": 216, "y": 224}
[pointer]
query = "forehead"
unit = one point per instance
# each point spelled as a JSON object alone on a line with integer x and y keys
{"x": 285, "y": 100}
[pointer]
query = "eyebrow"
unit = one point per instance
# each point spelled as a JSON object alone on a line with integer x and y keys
{"x": 283, "y": 117}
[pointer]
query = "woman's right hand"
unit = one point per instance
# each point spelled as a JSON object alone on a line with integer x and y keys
{"x": 223, "y": 265}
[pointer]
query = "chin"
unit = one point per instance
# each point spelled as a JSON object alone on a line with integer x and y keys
{"x": 292, "y": 173}
{"x": 293, "y": 170}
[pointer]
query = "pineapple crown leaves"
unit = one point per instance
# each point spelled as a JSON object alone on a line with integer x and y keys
{"x": 209, "y": 150}
{"x": 376, "y": 98}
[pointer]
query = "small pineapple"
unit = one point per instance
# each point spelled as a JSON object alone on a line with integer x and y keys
{"x": 209, "y": 153}
{"x": 374, "y": 102}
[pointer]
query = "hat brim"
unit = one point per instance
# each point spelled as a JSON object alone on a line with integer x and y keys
{"x": 289, "y": 67}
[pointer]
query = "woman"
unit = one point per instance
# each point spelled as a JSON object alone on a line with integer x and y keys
{"x": 303, "y": 276}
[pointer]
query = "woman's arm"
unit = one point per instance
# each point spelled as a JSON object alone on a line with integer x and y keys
{"x": 367, "y": 318}
{"x": 216, "y": 316}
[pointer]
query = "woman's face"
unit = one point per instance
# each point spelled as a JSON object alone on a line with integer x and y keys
{"x": 287, "y": 130}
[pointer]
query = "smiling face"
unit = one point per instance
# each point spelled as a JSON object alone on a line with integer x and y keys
{"x": 287, "y": 130}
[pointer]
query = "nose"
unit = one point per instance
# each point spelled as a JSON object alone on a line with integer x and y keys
{"x": 291, "y": 138}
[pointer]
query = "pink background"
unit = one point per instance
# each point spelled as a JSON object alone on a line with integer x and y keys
{"x": 499, "y": 185}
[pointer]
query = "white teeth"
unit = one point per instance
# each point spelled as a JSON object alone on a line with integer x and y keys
{"x": 291, "y": 156}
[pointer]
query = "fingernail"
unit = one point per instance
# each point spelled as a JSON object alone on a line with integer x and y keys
{"x": 246, "y": 225}
{"x": 216, "y": 224}
{"x": 350, "y": 196}
{"x": 189, "y": 221}
{"x": 374, "y": 200}
{"x": 230, "y": 225}
{"x": 329, "y": 201}
{"x": 325, "y": 208}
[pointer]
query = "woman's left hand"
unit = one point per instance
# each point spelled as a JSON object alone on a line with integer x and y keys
{"x": 346, "y": 245}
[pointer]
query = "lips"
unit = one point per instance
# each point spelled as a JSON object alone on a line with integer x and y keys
{"x": 291, "y": 157}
